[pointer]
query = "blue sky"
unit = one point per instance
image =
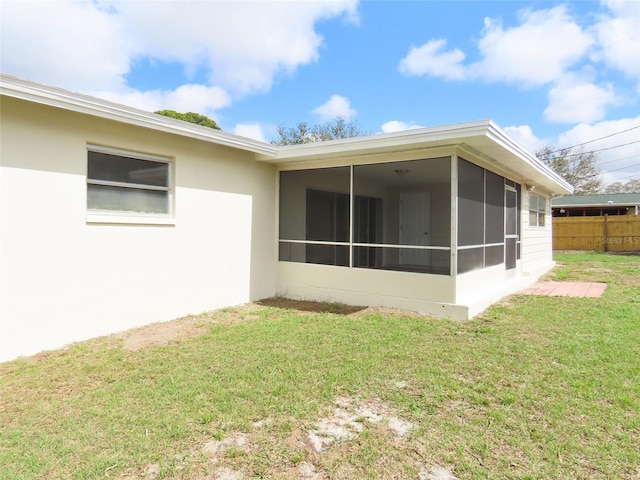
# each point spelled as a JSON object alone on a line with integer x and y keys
{"x": 549, "y": 73}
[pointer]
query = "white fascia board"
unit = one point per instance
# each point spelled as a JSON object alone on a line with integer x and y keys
{"x": 528, "y": 163}
{"x": 483, "y": 137}
{"x": 56, "y": 97}
{"x": 414, "y": 139}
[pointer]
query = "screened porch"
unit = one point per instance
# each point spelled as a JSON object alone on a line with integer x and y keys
{"x": 435, "y": 216}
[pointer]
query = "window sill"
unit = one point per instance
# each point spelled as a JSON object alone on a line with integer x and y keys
{"x": 129, "y": 219}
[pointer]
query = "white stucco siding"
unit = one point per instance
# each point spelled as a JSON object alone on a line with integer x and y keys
{"x": 431, "y": 294}
{"x": 64, "y": 278}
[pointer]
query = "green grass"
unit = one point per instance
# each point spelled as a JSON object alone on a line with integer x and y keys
{"x": 536, "y": 387}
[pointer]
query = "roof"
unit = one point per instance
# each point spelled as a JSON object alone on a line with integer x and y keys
{"x": 11, "y": 86}
{"x": 482, "y": 138}
{"x": 599, "y": 200}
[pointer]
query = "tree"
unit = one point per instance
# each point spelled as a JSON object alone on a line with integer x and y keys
{"x": 632, "y": 186}
{"x": 332, "y": 130}
{"x": 190, "y": 117}
{"x": 576, "y": 166}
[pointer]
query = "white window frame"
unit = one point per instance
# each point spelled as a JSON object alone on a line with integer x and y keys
{"x": 535, "y": 209}
{"x": 127, "y": 217}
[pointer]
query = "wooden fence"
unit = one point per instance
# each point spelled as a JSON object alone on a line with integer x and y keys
{"x": 617, "y": 233}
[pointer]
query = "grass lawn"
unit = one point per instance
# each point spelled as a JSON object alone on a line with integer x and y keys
{"x": 536, "y": 387}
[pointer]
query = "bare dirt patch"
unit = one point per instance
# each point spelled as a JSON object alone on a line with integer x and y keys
{"x": 310, "y": 306}
{"x": 163, "y": 333}
{"x": 324, "y": 438}
{"x": 437, "y": 473}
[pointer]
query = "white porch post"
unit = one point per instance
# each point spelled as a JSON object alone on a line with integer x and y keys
{"x": 454, "y": 215}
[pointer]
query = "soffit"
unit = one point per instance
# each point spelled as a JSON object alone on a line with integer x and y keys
{"x": 482, "y": 138}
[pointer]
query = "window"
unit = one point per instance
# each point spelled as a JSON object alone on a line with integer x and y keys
{"x": 125, "y": 182}
{"x": 537, "y": 209}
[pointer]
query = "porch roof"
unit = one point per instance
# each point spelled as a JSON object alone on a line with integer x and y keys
{"x": 482, "y": 138}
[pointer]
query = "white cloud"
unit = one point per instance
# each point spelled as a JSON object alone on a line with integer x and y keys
{"x": 240, "y": 46}
{"x": 536, "y": 52}
{"x": 397, "y": 126}
{"x": 619, "y": 37}
{"x": 186, "y": 98}
{"x": 523, "y": 135}
{"x": 431, "y": 59}
{"x": 547, "y": 48}
{"x": 336, "y": 106}
{"x": 576, "y": 100}
{"x": 67, "y": 44}
{"x": 250, "y": 130}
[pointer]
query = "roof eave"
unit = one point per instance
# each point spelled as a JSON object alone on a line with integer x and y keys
{"x": 539, "y": 172}
{"x": 56, "y": 97}
{"x": 396, "y": 141}
{"x": 478, "y": 136}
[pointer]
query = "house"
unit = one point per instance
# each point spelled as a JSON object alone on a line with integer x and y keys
{"x": 596, "y": 205}
{"x": 112, "y": 218}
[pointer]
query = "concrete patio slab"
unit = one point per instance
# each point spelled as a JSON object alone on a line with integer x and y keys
{"x": 566, "y": 289}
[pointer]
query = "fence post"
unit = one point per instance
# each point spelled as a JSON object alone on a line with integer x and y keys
{"x": 606, "y": 233}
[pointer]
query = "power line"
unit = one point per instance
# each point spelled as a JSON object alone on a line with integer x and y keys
{"x": 601, "y": 149}
{"x": 594, "y": 140}
{"x": 631, "y": 176}
{"x": 617, "y": 159}
{"x": 614, "y": 170}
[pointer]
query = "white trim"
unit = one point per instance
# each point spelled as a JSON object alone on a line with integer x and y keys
{"x": 373, "y": 245}
{"x": 453, "y": 268}
{"x": 92, "y": 147}
{"x": 57, "y": 97}
{"x": 138, "y": 186}
{"x": 351, "y": 212}
{"x": 315, "y": 242}
{"x": 127, "y": 219}
{"x": 481, "y": 245}
{"x": 406, "y": 247}
{"x": 483, "y": 139}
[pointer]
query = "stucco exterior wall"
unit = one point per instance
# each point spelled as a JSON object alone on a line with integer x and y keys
{"x": 64, "y": 278}
{"x": 431, "y": 294}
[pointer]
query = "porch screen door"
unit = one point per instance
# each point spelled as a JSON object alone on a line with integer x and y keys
{"x": 510, "y": 227}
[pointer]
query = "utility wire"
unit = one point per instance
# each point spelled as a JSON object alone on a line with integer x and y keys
{"x": 614, "y": 170}
{"x": 594, "y": 140}
{"x": 617, "y": 159}
{"x": 598, "y": 149}
{"x": 631, "y": 176}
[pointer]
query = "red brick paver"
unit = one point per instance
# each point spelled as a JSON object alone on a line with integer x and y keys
{"x": 566, "y": 289}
